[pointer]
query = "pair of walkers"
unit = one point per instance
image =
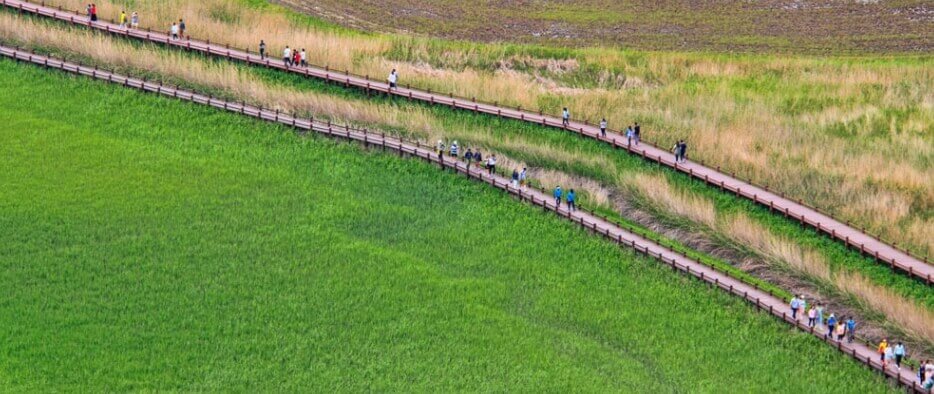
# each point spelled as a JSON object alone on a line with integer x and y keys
{"x": 633, "y": 134}
{"x": 290, "y": 57}
{"x": 132, "y": 23}
{"x": 91, "y": 9}
{"x": 519, "y": 178}
{"x": 570, "y": 197}
{"x": 680, "y": 149}
{"x": 926, "y": 375}
{"x": 177, "y": 30}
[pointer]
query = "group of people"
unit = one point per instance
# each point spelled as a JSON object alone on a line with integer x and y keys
{"x": 177, "y": 30}
{"x": 291, "y": 58}
{"x": 471, "y": 157}
{"x": 570, "y": 197}
{"x": 132, "y": 23}
{"x": 926, "y": 375}
{"x": 680, "y": 149}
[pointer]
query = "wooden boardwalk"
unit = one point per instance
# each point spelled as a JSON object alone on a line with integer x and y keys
{"x": 761, "y": 299}
{"x": 897, "y": 259}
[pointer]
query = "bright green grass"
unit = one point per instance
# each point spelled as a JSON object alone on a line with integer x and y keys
{"x": 151, "y": 244}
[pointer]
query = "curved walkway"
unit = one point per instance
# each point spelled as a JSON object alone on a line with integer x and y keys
{"x": 898, "y": 259}
{"x": 759, "y": 298}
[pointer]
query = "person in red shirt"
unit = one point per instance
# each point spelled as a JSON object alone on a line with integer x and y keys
{"x": 296, "y": 58}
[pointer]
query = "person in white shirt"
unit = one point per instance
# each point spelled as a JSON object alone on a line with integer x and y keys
{"x": 393, "y": 79}
{"x": 134, "y": 20}
{"x": 174, "y": 31}
{"x": 522, "y": 177}
{"x": 491, "y": 164}
{"x": 304, "y": 58}
{"x": 603, "y": 127}
{"x": 566, "y": 117}
{"x": 287, "y": 56}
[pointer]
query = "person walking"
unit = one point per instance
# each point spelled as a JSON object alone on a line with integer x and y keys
{"x": 922, "y": 372}
{"x": 899, "y": 353}
{"x": 296, "y": 58}
{"x": 122, "y": 18}
{"x": 636, "y": 132}
{"x": 515, "y": 179}
{"x": 468, "y": 157}
{"x": 820, "y": 315}
{"x": 440, "y": 147}
{"x": 850, "y": 329}
{"x": 629, "y": 135}
{"x": 287, "y": 56}
{"x": 684, "y": 151}
{"x": 812, "y": 316}
{"x": 887, "y": 357}
{"x": 478, "y": 157}
{"x": 676, "y": 149}
{"x": 262, "y": 50}
{"x": 841, "y": 331}
{"x": 522, "y": 177}
{"x": 134, "y": 20}
{"x": 174, "y": 31}
{"x": 491, "y": 164}
{"x": 881, "y": 349}
{"x": 454, "y": 148}
{"x": 566, "y": 117}
{"x": 557, "y": 193}
{"x": 572, "y": 199}
{"x": 181, "y": 27}
{"x": 603, "y": 127}
{"x": 831, "y": 325}
{"x": 304, "y": 58}
{"x": 393, "y": 79}
{"x": 795, "y": 304}
{"x": 87, "y": 9}
{"x": 93, "y": 12}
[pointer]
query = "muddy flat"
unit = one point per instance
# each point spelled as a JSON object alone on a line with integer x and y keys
{"x": 806, "y": 26}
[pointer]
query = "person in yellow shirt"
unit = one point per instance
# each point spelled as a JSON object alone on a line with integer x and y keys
{"x": 122, "y": 18}
{"x": 882, "y": 346}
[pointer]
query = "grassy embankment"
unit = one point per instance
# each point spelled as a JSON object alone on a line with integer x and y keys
{"x": 160, "y": 245}
{"x": 887, "y": 304}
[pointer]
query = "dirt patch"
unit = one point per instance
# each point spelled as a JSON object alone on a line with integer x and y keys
{"x": 800, "y": 26}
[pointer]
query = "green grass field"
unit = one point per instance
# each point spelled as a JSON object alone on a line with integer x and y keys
{"x": 157, "y": 245}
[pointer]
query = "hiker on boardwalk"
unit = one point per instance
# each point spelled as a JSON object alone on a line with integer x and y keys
{"x": 515, "y": 179}
{"x": 181, "y": 27}
{"x": 440, "y": 148}
{"x": 87, "y": 9}
{"x": 287, "y": 56}
{"x": 454, "y": 148}
{"x": 831, "y": 325}
{"x": 899, "y": 355}
{"x": 820, "y": 315}
{"x": 558, "y": 193}
{"x": 812, "y": 316}
{"x": 393, "y": 79}
{"x": 491, "y": 164}
{"x": 262, "y": 50}
{"x": 795, "y": 305}
{"x": 841, "y": 332}
{"x": 566, "y": 117}
{"x": 522, "y": 177}
{"x": 92, "y": 12}
{"x": 122, "y": 18}
{"x": 174, "y": 31}
{"x": 881, "y": 349}
{"x": 630, "y": 135}
{"x": 850, "y": 329}
{"x": 684, "y": 151}
{"x": 636, "y": 133}
{"x": 478, "y": 157}
{"x": 603, "y": 127}
{"x": 572, "y": 199}
{"x": 888, "y": 357}
{"x": 468, "y": 157}
{"x": 134, "y": 20}
{"x": 922, "y": 372}
{"x": 297, "y": 58}
{"x": 304, "y": 58}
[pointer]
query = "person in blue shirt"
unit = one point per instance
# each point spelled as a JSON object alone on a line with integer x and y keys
{"x": 558, "y": 195}
{"x": 831, "y": 324}
{"x": 795, "y": 304}
{"x": 850, "y": 329}
{"x": 571, "y": 200}
{"x": 899, "y": 355}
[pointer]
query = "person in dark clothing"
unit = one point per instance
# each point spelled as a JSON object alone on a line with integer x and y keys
{"x": 515, "y": 178}
{"x": 478, "y": 157}
{"x": 636, "y": 132}
{"x": 572, "y": 199}
{"x": 181, "y": 27}
{"x": 93, "y": 12}
{"x": 468, "y": 156}
{"x": 684, "y": 151}
{"x": 262, "y": 49}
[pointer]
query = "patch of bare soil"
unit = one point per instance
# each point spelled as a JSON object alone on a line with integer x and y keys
{"x": 800, "y": 26}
